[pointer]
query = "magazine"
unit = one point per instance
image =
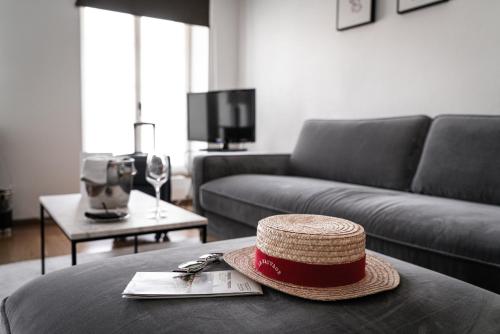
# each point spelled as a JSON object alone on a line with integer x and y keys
{"x": 157, "y": 285}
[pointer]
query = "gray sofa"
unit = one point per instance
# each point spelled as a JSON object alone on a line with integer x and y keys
{"x": 427, "y": 191}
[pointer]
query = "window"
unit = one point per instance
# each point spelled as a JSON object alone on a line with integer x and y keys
{"x": 108, "y": 81}
{"x": 126, "y": 60}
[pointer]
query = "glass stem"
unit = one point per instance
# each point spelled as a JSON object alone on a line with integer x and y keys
{"x": 157, "y": 189}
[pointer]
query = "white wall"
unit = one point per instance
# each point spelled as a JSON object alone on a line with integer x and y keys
{"x": 224, "y": 43}
{"x": 442, "y": 59}
{"x": 40, "y": 135}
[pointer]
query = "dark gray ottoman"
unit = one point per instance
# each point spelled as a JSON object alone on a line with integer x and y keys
{"x": 87, "y": 299}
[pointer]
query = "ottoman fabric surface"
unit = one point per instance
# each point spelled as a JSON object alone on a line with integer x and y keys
{"x": 87, "y": 299}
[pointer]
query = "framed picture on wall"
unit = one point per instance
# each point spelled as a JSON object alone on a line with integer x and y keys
{"x": 405, "y": 6}
{"x": 354, "y": 13}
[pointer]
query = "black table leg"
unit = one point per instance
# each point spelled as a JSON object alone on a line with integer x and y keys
{"x": 136, "y": 244}
{"x": 42, "y": 238}
{"x": 203, "y": 234}
{"x": 73, "y": 253}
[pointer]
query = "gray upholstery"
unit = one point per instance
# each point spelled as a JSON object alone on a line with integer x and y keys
{"x": 377, "y": 152}
{"x": 461, "y": 159}
{"x": 457, "y": 229}
{"x": 222, "y": 228}
{"x": 210, "y": 167}
{"x": 86, "y": 299}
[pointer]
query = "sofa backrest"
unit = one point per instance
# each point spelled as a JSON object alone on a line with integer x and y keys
{"x": 374, "y": 152}
{"x": 461, "y": 159}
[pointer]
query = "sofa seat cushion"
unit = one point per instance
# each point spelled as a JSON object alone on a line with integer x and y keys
{"x": 452, "y": 227}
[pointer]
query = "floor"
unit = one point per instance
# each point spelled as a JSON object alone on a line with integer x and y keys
{"x": 23, "y": 243}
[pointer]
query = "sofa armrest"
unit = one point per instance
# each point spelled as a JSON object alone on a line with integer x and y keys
{"x": 210, "y": 167}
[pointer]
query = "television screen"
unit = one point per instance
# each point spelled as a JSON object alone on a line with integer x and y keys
{"x": 222, "y": 116}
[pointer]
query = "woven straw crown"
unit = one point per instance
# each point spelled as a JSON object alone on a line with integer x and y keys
{"x": 329, "y": 240}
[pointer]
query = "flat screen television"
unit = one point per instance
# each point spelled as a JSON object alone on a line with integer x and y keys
{"x": 223, "y": 117}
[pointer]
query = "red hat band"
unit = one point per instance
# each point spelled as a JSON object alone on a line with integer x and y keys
{"x": 306, "y": 274}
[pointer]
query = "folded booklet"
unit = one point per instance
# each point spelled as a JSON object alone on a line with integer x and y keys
{"x": 157, "y": 285}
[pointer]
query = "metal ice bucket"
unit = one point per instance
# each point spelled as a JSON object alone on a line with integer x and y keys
{"x": 114, "y": 193}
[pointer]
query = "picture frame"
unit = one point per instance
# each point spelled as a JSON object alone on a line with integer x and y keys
{"x": 406, "y": 6}
{"x": 354, "y": 13}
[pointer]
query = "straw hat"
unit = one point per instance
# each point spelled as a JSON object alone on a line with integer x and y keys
{"x": 313, "y": 257}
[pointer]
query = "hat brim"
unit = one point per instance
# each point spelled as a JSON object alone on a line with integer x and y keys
{"x": 379, "y": 276}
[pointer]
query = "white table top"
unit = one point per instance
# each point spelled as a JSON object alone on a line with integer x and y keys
{"x": 68, "y": 212}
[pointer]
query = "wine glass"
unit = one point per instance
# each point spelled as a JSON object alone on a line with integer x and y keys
{"x": 157, "y": 167}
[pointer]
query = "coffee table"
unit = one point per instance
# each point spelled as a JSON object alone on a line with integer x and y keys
{"x": 67, "y": 211}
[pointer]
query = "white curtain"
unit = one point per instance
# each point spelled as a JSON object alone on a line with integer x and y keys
{"x": 174, "y": 60}
{"x": 108, "y": 81}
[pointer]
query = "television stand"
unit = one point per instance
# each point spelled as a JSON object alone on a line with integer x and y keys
{"x": 224, "y": 149}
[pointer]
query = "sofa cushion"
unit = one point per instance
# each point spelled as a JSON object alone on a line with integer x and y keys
{"x": 461, "y": 159}
{"x": 376, "y": 152}
{"x": 457, "y": 228}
